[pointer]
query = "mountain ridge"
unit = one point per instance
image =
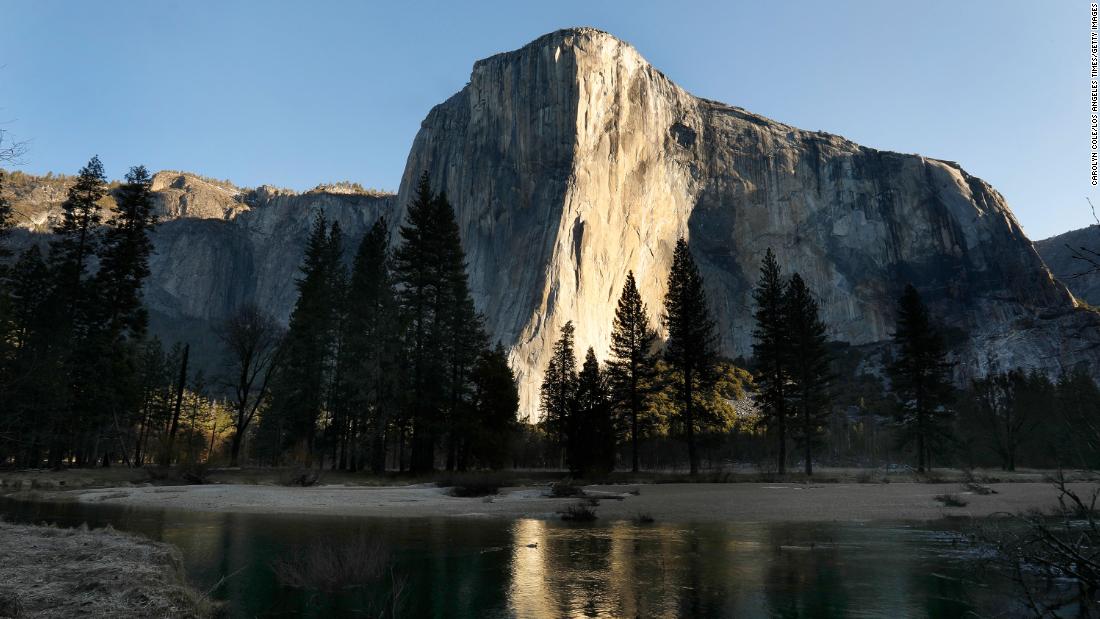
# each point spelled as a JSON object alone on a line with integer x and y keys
{"x": 572, "y": 160}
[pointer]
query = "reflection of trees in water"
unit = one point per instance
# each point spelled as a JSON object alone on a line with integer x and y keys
{"x": 805, "y": 576}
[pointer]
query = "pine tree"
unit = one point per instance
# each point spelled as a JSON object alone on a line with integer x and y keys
{"x": 77, "y": 236}
{"x": 464, "y": 336}
{"x": 72, "y": 309}
{"x": 496, "y": 401}
{"x": 920, "y": 377}
{"x": 444, "y": 334}
{"x": 559, "y": 386}
{"x": 124, "y": 258}
{"x": 299, "y": 396}
{"x": 372, "y": 345}
{"x": 7, "y": 323}
{"x": 33, "y": 371}
{"x": 418, "y": 269}
{"x": 1078, "y": 407}
{"x": 770, "y": 351}
{"x": 632, "y": 368}
{"x": 809, "y": 365}
{"x": 690, "y": 349}
{"x": 592, "y": 435}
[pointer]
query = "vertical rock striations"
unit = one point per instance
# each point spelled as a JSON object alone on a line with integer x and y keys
{"x": 572, "y": 160}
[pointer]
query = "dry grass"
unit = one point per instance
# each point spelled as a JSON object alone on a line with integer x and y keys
{"x": 579, "y": 512}
{"x": 53, "y": 572}
{"x": 331, "y": 567}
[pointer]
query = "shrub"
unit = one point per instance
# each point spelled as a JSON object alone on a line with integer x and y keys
{"x": 331, "y": 566}
{"x": 579, "y": 512}
{"x": 192, "y": 473}
{"x": 951, "y": 500}
{"x": 302, "y": 477}
{"x": 473, "y": 484}
{"x": 565, "y": 489}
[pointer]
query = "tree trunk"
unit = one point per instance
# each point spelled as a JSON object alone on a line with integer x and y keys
{"x": 634, "y": 406}
{"x": 689, "y": 421}
{"x": 781, "y": 417}
{"x": 809, "y": 449}
{"x": 920, "y": 451}
{"x": 167, "y": 457}
{"x": 234, "y": 448}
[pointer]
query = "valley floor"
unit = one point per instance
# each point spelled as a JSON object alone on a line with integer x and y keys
{"x": 683, "y": 502}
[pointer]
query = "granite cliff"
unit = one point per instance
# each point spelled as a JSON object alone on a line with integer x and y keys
{"x": 572, "y": 160}
{"x": 1058, "y": 254}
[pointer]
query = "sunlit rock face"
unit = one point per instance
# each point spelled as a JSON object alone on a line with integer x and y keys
{"x": 217, "y": 246}
{"x": 572, "y": 160}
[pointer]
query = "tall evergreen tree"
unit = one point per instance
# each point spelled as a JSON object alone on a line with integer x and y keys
{"x": 119, "y": 313}
{"x": 124, "y": 258}
{"x": 592, "y": 436}
{"x": 632, "y": 369}
{"x": 299, "y": 395}
{"x": 33, "y": 371}
{"x": 77, "y": 236}
{"x": 496, "y": 400}
{"x": 920, "y": 377}
{"x": 691, "y": 346}
{"x": 443, "y": 330}
{"x": 809, "y": 365}
{"x": 559, "y": 385}
{"x": 770, "y": 352}
{"x": 464, "y": 337}
{"x": 418, "y": 273}
{"x": 372, "y": 345}
{"x": 1078, "y": 407}
{"x": 71, "y": 307}
{"x": 7, "y": 321}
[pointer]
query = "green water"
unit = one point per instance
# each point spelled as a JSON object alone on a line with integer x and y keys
{"x": 485, "y": 568}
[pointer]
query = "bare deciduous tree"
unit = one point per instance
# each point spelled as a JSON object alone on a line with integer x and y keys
{"x": 252, "y": 341}
{"x": 10, "y": 152}
{"x": 1090, "y": 258}
{"x": 1054, "y": 558}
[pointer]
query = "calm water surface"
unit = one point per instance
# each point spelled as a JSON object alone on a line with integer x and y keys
{"x": 486, "y": 568}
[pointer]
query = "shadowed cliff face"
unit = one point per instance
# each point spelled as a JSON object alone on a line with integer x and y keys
{"x": 572, "y": 160}
{"x": 215, "y": 247}
{"x": 1077, "y": 274}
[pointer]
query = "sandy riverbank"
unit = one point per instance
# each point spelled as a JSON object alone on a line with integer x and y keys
{"x": 752, "y": 502}
{"x": 53, "y": 572}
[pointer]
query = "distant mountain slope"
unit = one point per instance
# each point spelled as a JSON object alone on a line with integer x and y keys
{"x": 572, "y": 160}
{"x": 1072, "y": 272}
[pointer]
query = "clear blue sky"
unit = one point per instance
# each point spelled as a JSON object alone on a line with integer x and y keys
{"x": 297, "y": 93}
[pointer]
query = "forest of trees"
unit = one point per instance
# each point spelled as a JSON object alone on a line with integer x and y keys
{"x": 385, "y": 366}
